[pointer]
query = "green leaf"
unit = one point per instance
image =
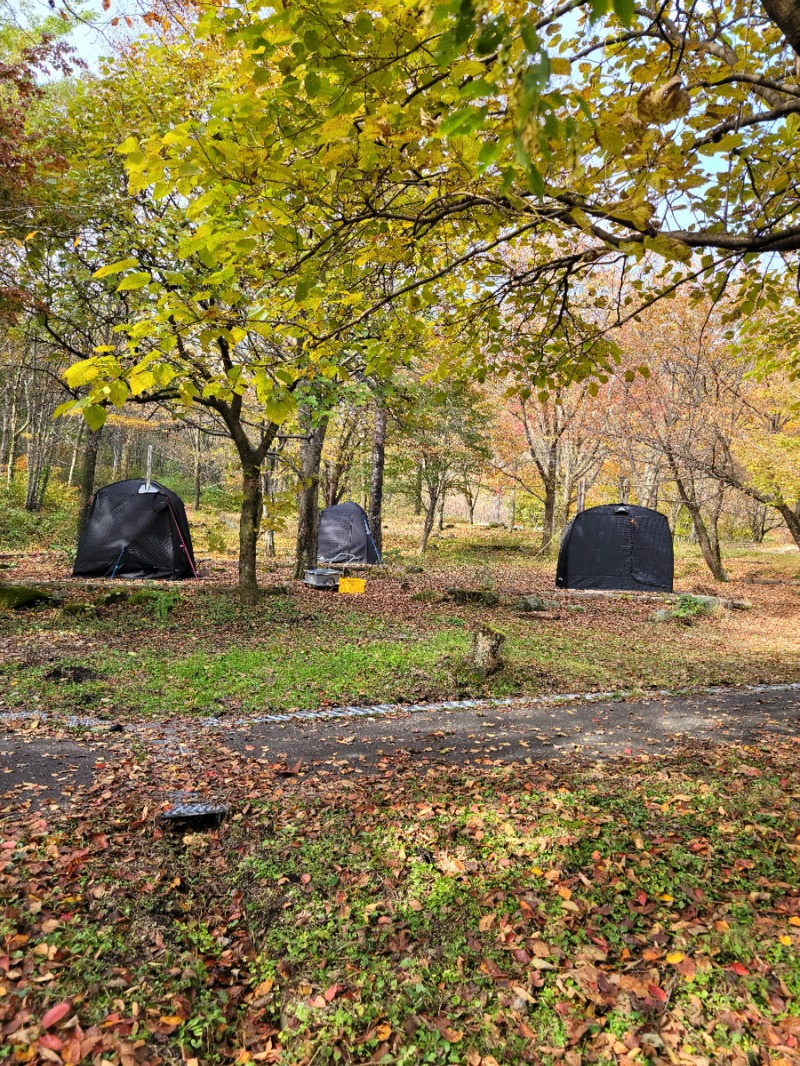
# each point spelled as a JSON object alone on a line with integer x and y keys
{"x": 115, "y": 268}
{"x": 669, "y": 248}
{"x": 312, "y": 84}
{"x": 95, "y": 416}
{"x": 137, "y": 280}
{"x": 63, "y": 408}
{"x": 624, "y": 10}
{"x": 81, "y": 373}
{"x": 129, "y": 145}
{"x": 117, "y": 393}
{"x": 535, "y": 180}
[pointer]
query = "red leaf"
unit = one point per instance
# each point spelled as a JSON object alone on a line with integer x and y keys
{"x": 50, "y": 1041}
{"x": 657, "y": 993}
{"x": 56, "y": 1014}
{"x": 741, "y": 970}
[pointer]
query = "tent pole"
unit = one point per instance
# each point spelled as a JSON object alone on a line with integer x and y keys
{"x": 581, "y": 495}
{"x": 149, "y": 465}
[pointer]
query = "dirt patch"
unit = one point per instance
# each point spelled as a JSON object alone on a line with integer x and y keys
{"x": 76, "y": 675}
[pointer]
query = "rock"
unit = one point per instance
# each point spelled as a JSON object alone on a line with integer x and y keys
{"x": 428, "y": 596}
{"x": 8, "y": 566}
{"x": 79, "y": 608}
{"x": 17, "y": 597}
{"x": 107, "y": 599}
{"x": 536, "y": 603}
{"x": 414, "y": 569}
{"x": 486, "y": 650}
{"x": 482, "y": 597}
{"x": 716, "y": 602}
{"x": 275, "y": 590}
{"x": 141, "y": 596}
{"x": 663, "y": 615}
{"x": 576, "y": 607}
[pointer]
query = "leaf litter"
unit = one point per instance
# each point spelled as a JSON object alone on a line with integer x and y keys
{"x": 646, "y": 910}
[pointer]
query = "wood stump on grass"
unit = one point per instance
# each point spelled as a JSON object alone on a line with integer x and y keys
{"x": 486, "y": 651}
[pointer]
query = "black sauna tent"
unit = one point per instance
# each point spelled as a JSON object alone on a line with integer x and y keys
{"x": 616, "y": 546}
{"x": 344, "y": 536}
{"x": 135, "y": 534}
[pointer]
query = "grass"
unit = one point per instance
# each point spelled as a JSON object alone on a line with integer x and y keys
{"x": 194, "y": 649}
{"x": 503, "y": 915}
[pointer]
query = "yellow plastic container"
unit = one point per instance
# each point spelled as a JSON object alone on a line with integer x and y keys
{"x": 353, "y": 586}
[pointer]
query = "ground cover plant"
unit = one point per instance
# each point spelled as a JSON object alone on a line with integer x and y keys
{"x": 640, "y": 911}
{"x": 193, "y": 648}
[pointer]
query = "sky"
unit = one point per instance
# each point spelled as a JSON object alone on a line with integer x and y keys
{"x": 92, "y": 36}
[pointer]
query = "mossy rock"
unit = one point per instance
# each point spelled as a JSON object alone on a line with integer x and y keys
{"x": 477, "y": 597}
{"x": 19, "y": 597}
{"x": 535, "y": 603}
{"x": 108, "y": 599}
{"x": 412, "y": 569}
{"x": 428, "y": 596}
{"x": 142, "y": 597}
{"x": 79, "y": 608}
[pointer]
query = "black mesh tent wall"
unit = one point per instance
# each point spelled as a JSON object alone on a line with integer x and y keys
{"x": 345, "y": 536}
{"x": 135, "y": 534}
{"x": 616, "y": 546}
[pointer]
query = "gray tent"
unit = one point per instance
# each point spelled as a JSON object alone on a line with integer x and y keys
{"x": 345, "y": 536}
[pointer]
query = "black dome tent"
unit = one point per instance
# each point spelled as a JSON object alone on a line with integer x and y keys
{"x": 616, "y": 546}
{"x": 345, "y": 536}
{"x": 135, "y": 529}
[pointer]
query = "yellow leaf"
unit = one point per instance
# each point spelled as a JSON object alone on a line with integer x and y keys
{"x": 675, "y": 956}
{"x": 667, "y": 898}
{"x": 794, "y": 920}
{"x": 785, "y": 940}
{"x": 171, "y": 1019}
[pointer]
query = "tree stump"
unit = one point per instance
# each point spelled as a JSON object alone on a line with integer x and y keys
{"x": 486, "y": 650}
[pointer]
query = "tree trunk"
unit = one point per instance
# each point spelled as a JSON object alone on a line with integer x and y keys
{"x": 786, "y": 15}
{"x": 440, "y": 519}
{"x": 549, "y": 517}
{"x": 418, "y": 492}
{"x": 125, "y": 460}
{"x": 197, "y": 469}
{"x": 792, "y": 520}
{"x": 709, "y": 545}
{"x": 12, "y": 443}
{"x": 376, "y": 477}
{"x": 430, "y": 518}
{"x": 308, "y": 510}
{"x": 87, "y": 475}
{"x": 268, "y": 493}
{"x": 249, "y": 526}
{"x": 75, "y": 449}
{"x": 512, "y": 510}
{"x": 4, "y": 432}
